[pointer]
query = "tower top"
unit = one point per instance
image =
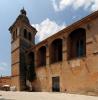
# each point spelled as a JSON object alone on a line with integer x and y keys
{"x": 22, "y": 19}
{"x": 23, "y": 11}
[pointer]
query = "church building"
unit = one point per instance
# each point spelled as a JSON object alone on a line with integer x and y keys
{"x": 65, "y": 62}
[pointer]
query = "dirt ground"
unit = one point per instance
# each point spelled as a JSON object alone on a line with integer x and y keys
{"x": 43, "y": 96}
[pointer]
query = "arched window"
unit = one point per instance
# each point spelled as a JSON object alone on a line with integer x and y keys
{"x": 13, "y": 36}
{"x": 29, "y": 36}
{"x": 56, "y": 51}
{"x": 16, "y": 32}
{"x": 25, "y": 33}
{"x": 42, "y": 56}
{"x": 80, "y": 48}
{"x": 77, "y": 43}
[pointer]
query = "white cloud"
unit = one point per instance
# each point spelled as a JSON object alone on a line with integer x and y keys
{"x": 95, "y": 5}
{"x": 4, "y": 69}
{"x": 3, "y": 66}
{"x": 47, "y": 28}
{"x": 55, "y": 5}
{"x": 75, "y": 4}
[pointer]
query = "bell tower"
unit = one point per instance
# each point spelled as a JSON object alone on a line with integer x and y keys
{"x": 22, "y": 38}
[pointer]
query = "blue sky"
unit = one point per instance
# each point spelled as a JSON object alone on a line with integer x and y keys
{"x": 48, "y": 16}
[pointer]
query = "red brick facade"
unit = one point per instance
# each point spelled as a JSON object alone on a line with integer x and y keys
{"x": 5, "y": 81}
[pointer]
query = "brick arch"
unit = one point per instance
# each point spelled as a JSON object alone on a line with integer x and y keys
{"x": 55, "y": 51}
{"x": 76, "y": 43}
{"x": 61, "y": 37}
{"x": 41, "y": 57}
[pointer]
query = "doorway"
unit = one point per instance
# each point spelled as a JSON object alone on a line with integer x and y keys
{"x": 55, "y": 84}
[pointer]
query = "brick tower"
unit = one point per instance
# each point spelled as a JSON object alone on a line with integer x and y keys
{"x": 23, "y": 37}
